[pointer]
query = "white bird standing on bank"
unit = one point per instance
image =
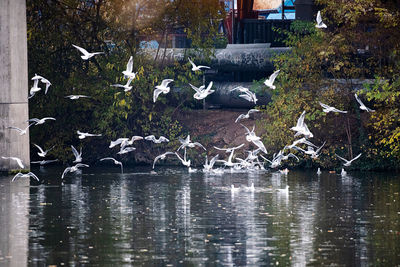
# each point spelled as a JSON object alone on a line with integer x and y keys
{"x": 247, "y": 115}
{"x": 74, "y": 97}
{"x": 21, "y": 131}
{"x": 78, "y": 156}
{"x": 128, "y": 73}
{"x": 270, "y": 81}
{"x": 362, "y": 106}
{"x": 319, "y": 24}
{"x": 202, "y": 93}
{"x": 27, "y": 175}
{"x": 73, "y": 169}
{"x": 162, "y": 156}
{"x": 347, "y": 163}
{"x": 116, "y": 162}
{"x": 86, "y": 55}
{"x": 40, "y": 121}
{"x": 327, "y": 109}
{"x": 196, "y": 68}
{"x": 152, "y": 138}
{"x": 42, "y": 152}
{"x": 18, "y": 160}
{"x": 162, "y": 88}
{"x": 82, "y": 135}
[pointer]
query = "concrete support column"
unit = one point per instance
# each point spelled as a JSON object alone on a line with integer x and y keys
{"x": 13, "y": 83}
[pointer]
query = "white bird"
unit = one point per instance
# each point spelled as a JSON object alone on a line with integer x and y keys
{"x": 327, "y": 109}
{"x": 74, "y": 97}
{"x": 319, "y": 171}
{"x": 21, "y": 131}
{"x": 300, "y": 141}
{"x": 256, "y": 140}
{"x": 202, "y": 93}
{"x": 241, "y": 89}
{"x": 82, "y": 135}
{"x": 347, "y": 163}
{"x": 127, "y": 87}
{"x": 283, "y": 191}
{"x": 343, "y": 173}
{"x": 310, "y": 151}
{"x": 42, "y": 152}
{"x": 247, "y": 115}
{"x": 125, "y": 150}
{"x": 362, "y": 106}
{"x": 116, "y": 162}
{"x": 208, "y": 166}
{"x": 35, "y": 88}
{"x": 155, "y": 140}
{"x": 162, "y": 156}
{"x": 162, "y": 88}
{"x": 27, "y": 175}
{"x": 73, "y": 169}
{"x": 270, "y": 81}
{"x": 251, "y": 188}
{"x": 128, "y": 73}
{"x": 118, "y": 142}
{"x": 187, "y": 143}
{"x": 43, "y": 80}
{"x": 284, "y": 171}
{"x": 18, "y": 160}
{"x": 234, "y": 189}
{"x": 44, "y": 162}
{"x": 78, "y": 156}
{"x": 184, "y": 161}
{"x": 86, "y": 55}
{"x": 249, "y": 96}
{"x": 123, "y": 142}
{"x": 196, "y": 68}
{"x": 319, "y": 24}
{"x": 301, "y": 127}
{"x": 40, "y": 121}
{"x": 230, "y": 150}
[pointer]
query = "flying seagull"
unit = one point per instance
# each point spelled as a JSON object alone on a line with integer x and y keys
{"x": 40, "y": 121}
{"x": 249, "y": 96}
{"x": 327, "y": 109}
{"x": 202, "y": 93}
{"x": 187, "y": 143}
{"x": 162, "y": 156}
{"x": 196, "y": 68}
{"x": 155, "y": 140}
{"x": 73, "y": 169}
{"x": 247, "y": 115}
{"x": 84, "y": 135}
{"x": 44, "y": 162}
{"x": 42, "y": 152}
{"x": 21, "y": 131}
{"x": 362, "y": 106}
{"x": 162, "y": 88}
{"x": 18, "y": 160}
{"x": 74, "y": 97}
{"x": 347, "y": 163}
{"x": 319, "y": 24}
{"x": 128, "y": 73}
{"x": 127, "y": 87}
{"x": 301, "y": 127}
{"x": 116, "y": 162}
{"x": 270, "y": 81}
{"x": 86, "y": 54}
{"x": 78, "y": 156}
{"x": 27, "y": 175}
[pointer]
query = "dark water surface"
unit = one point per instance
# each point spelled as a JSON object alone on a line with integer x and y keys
{"x": 176, "y": 218}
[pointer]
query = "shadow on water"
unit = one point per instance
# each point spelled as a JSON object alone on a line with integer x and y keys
{"x": 102, "y": 217}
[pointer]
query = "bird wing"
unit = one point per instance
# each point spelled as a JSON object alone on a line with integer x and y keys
{"x": 260, "y": 145}
{"x": 76, "y": 154}
{"x": 82, "y": 50}
{"x": 204, "y": 67}
{"x": 359, "y": 100}
{"x": 247, "y": 97}
{"x": 108, "y": 158}
{"x": 81, "y": 165}
{"x": 16, "y": 176}
{"x": 338, "y": 110}
{"x": 300, "y": 120}
{"x": 41, "y": 150}
{"x": 191, "y": 62}
{"x": 252, "y": 111}
{"x": 49, "y": 118}
{"x": 195, "y": 88}
{"x": 34, "y": 120}
{"x": 209, "y": 86}
{"x": 212, "y": 161}
{"x": 156, "y": 93}
{"x": 324, "y": 105}
{"x": 129, "y": 66}
{"x": 31, "y": 174}
{"x": 200, "y": 145}
{"x": 165, "y": 82}
{"x": 345, "y": 160}
{"x": 240, "y": 117}
{"x": 150, "y": 138}
{"x": 273, "y": 76}
{"x": 222, "y": 149}
{"x": 359, "y": 155}
{"x": 163, "y": 139}
{"x": 65, "y": 171}
{"x": 247, "y": 129}
{"x": 319, "y": 19}
{"x": 15, "y": 128}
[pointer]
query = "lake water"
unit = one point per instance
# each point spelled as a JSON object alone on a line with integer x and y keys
{"x": 174, "y": 218}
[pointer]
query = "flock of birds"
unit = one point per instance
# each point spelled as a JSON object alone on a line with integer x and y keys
{"x": 254, "y": 161}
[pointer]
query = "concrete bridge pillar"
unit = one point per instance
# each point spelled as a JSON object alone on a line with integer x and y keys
{"x": 13, "y": 83}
